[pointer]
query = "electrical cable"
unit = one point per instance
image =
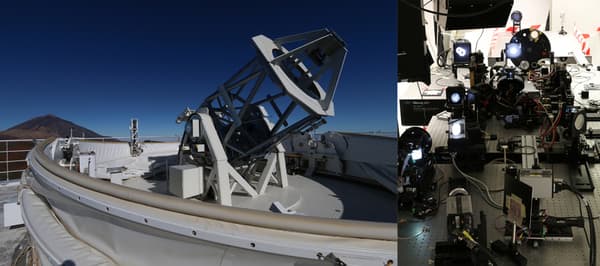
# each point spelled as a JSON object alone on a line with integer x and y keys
{"x": 537, "y": 101}
{"x": 415, "y": 236}
{"x": 592, "y": 244}
{"x": 465, "y": 15}
{"x": 452, "y": 83}
{"x": 477, "y": 42}
{"x": 581, "y": 75}
{"x": 443, "y": 58}
{"x": 592, "y": 234}
{"x": 439, "y": 192}
{"x": 587, "y": 239}
{"x": 479, "y": 184}
{"x": 552, "y": 129}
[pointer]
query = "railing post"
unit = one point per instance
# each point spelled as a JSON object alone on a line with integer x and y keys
{"x": 6, "y": 153}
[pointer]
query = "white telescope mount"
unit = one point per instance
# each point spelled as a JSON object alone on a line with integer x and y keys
{"x": 236, "y": 133}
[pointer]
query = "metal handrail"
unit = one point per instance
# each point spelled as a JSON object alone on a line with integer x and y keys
{"x": 14, "y": 161}
{"x": 20, "y": 140}
{"x": 12, "y": 171}
{"x": 17, "y": 151}
{"x": 303, "y": 224}
{"x": 6, "y": 150}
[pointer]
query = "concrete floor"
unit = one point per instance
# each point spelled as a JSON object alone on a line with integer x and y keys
{"x": 9, "y": 238}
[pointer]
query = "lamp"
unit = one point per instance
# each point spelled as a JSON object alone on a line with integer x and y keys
{"x": 462, "y": 52}
{"x": 513, "y": 50}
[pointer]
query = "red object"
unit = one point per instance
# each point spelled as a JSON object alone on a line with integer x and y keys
{"x": 533, "y": 27}
{"x": 585, "y": 35}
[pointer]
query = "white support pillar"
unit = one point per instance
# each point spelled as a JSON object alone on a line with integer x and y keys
{"x": 222, "y": 173}
{"x": 267, "y": 173}
{"x": 275, "y": 163}
{"x": 241, "y": 181}
{"x": 281, "y": 167}
{"x": 223, "y": 186}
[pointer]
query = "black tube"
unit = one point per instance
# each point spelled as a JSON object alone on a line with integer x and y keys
{"x": 592, "y": 235}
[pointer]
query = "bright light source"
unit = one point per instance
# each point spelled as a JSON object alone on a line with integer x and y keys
{"x": 456, "y": 129}
{"x": 513, "y": 50}
{"x": 455, "y": 97}
{"x": 457, "y": 135}
{"x": 461, "y": 51}
{"x": 417, "y": 154}
{"x": 535, "y": 34}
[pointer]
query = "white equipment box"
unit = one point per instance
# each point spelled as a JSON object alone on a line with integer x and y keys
{"x": 12, "y": 214}
{"x": 186, "y": 181}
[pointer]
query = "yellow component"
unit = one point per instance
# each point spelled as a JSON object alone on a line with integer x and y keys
{"x": 468, "y": 236}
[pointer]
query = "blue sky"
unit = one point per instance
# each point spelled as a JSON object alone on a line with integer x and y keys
{"x": 99, "y": 63}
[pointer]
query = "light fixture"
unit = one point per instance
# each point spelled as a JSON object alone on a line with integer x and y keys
{"x": 462, "y": 52}
{"x": 513, "y": 50}
{"x": 455, "y": 97}
{"x": 534, "y": 34}
{"x": 456, "y": 129}
{"x": 416, "y": 143}
{"x": 457, "y": 135}
{"x": 417, "y": 154}
{"x": 516, "y": 16}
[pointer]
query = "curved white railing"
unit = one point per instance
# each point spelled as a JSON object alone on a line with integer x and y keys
{"x": 300, "y": 224}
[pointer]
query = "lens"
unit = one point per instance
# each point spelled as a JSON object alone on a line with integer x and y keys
{"x": 455, "y": 97}
{"x": 579, "y": 122}
{"x": 513, "y": 50}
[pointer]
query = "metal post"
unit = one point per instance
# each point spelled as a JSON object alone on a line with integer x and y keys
{"x": 6, "y": 148}
{"x": 167, "y": 169}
